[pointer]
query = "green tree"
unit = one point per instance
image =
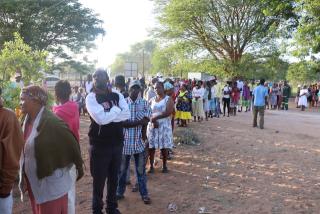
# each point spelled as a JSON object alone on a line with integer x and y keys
{"x": 226, "y": 29}
{"x": 303, "y": 72}
{"x": 307, "y": 36}
{"x": 16, "y": 55}
{"x": 140, "y": 53}
{"x": 55, "y": 26}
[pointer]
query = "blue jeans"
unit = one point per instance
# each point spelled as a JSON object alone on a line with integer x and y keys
{"x": 217, "y": 106}
{"x": 140, "y": 166}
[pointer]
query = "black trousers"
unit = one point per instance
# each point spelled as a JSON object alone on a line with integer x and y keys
{"x": 226, "y": 103}
{"x": 105, "y": 161}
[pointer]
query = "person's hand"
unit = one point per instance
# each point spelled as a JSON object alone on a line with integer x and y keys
{"x": 80, "y": 173}
{"x": 156, "y": 124}
{"x": 114, "y": 103}
{"x": 153, "y": 119}
{"x": 4, "y": 195}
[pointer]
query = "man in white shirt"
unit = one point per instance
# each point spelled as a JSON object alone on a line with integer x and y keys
{"x": 107, "y": 109}
{"x": 88, "y": 84}
{"x": 226, "y": 98}
{"x": 240, "y": 85}
{"x": 150, "y": 93}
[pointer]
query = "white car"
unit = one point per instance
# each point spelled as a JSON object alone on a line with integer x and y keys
{"x": 50, "y": 81}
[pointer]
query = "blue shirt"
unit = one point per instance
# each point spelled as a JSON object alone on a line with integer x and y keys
{"x": 133, "y": 143}
{"x": 260, "y": 93}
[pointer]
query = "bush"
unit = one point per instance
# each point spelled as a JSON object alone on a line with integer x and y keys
{"x": 11, "y": 95}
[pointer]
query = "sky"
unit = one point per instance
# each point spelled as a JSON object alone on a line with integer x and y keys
{"x": 125, "y": 21}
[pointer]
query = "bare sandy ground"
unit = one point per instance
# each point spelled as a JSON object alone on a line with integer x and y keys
{"x": 236, "y": 169}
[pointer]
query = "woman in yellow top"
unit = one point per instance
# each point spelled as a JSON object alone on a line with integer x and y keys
{"x": 183, "y": 106}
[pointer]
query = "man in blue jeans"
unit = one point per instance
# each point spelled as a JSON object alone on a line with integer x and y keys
{"x": 260, "y": 94}
{"x": 133, "y": 142}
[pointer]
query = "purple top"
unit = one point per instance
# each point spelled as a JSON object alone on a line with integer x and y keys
{"x": 246, "y": 92}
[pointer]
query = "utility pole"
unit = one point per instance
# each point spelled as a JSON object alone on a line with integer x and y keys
{"x": 143, "y": 63}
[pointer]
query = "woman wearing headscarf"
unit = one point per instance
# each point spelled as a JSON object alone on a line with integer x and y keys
{"x": 50, "y": 151}
{"x": 183, "y": 106}
{"x": 67, "y": 111}
{"x": 197, "y": 102}
{"x": 303, "y": 100}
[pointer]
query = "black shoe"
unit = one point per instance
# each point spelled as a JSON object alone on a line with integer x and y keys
{"x": 135, "y": 188}
{"x": 165, "y": 170}
{"x": 151, "y": 170}
{"x": 146, "y": 200}
{"x": 113, "y": 211}
{"x": 120, "y": 197}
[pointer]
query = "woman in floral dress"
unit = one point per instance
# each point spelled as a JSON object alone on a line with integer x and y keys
{"x": 159, "y": 129}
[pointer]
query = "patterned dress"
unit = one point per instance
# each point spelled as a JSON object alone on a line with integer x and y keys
{"x": 184, "y": 107}
{"x": 161, "y": 137}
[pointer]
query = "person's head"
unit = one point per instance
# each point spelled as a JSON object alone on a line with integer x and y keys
{"x": 31, "y": 98}
{"x": 262, "y": 81}
{"x": 18, "y": 77}
{"x": 154, "y": 81}
{"x": 62, "y": 91}
{"x": 159, "y": 88}
{"x": 235, "y": 84}
{"x": 183, "y": 87}
{"x": 134, "y": 89}
{"x": 100, "y": 79}
{"x": 89, "y": 77}
{"x": 305, "y": 87}
{"x": 76, "y": 89}
{"x": 81, "y": 90}
{"x": 143, "y": 81}
{"x": 120, "y": 82}
{"x": 168, "y": 88}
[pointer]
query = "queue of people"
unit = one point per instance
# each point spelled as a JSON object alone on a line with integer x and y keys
{"x": 128, "y": 120}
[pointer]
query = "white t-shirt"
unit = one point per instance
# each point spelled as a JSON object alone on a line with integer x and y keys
{"x": 240, "y": 85}
{"x": 198, "y": 92}
{"x": 89, "y": 86}
{"x": 226, "y": 89}
{"x": 213, "y": 92}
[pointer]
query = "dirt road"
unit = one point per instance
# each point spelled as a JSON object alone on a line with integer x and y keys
{"x": 236, "y": 169}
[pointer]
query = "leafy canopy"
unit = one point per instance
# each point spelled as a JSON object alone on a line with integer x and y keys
{"x": 55, "y": 26}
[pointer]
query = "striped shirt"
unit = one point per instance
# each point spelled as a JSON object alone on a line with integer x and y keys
{"x": 133, "y": 143}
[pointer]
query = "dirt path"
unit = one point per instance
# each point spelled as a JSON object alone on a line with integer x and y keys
{"x": 236, "y": 169}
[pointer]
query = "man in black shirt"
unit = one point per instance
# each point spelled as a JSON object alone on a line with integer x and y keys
{"x": 107, "y": 109}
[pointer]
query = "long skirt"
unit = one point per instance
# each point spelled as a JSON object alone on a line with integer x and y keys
{"x": 197, "y": 108}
